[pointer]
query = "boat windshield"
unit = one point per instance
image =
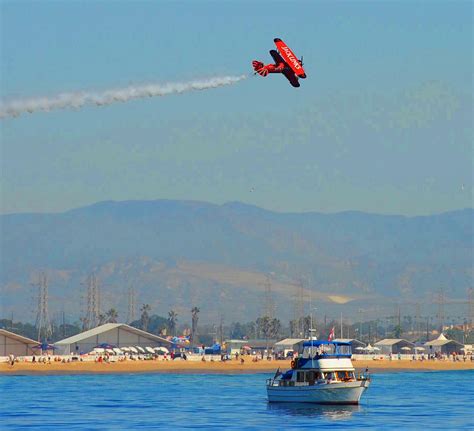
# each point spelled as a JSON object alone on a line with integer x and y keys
{"x": 318, "y": 350}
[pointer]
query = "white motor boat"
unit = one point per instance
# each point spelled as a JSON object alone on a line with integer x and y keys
{"x": 323, "y": 374}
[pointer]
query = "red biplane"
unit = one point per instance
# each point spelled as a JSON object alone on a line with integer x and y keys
{"x": 286, "y": 62}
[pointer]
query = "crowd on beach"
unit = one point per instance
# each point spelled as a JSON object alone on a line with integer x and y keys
{"x": 241, "y": 358}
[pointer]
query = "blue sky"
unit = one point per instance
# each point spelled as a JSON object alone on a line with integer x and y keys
{"x": 382, "y": 124}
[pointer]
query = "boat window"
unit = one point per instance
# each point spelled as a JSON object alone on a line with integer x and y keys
{"x": 344, "y": 350}
{"x": 300, "y": 376}
{"x": 310, "y": 376}
{"x": 341, "y": 375}
{"x": 319, "y": 376}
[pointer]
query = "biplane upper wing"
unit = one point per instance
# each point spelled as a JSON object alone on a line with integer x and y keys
{"x": 289, "y": 58}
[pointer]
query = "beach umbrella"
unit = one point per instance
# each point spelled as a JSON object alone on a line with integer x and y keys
{"x": 149, "y": 350}
{"x": 98, "y": 350}
{"x": 246, "y": 348}
{"x": 419, "y": 348}
{"x": 406, "y": 348}
{"x": 117, "y": 350}
{"x": 360, "y": 348}
{"x": 133, "y": 350}
{"x": 375, "y": 348}
{"x": 162, "y": 349}
{"x": 110, "y": 351}
{"x": 125, "y": 349}
{"x": 140, "y": 349}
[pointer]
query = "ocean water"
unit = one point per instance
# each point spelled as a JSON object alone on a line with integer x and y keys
{"x": 434, "y": 400}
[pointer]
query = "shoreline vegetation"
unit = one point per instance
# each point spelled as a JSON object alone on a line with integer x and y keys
{"x": 213, "y": 367}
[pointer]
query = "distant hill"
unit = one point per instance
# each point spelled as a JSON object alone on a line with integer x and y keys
{"x": 219, "y": 257}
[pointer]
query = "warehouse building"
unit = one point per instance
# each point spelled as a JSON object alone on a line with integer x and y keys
{"x": 444, "y": 346}
{"x": 113, "y": 334}
{"x": 14, "y": 344}
{"x": 394, "y": 346}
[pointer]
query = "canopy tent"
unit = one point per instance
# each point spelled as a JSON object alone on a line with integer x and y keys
{"x": 105, "y": 346}
{"x": 44, "y": 347}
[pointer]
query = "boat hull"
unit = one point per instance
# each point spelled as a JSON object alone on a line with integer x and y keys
{"x": 336, "y": 393}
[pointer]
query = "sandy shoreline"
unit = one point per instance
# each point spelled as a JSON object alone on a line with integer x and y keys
{"x": 229, "y": 367}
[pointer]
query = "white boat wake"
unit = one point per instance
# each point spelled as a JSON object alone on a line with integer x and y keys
{"x": 17, "y": 107}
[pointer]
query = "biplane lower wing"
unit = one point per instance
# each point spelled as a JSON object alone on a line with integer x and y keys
{"x": 290, "y": 75}
{"x": 276, "y": 57}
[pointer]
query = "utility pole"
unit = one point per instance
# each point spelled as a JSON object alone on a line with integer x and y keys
{"x": 360, "y": 323}
{"x": 342, "y": 335}
{"x": 300, "y": 308}
{"x": 221, "y": 330}
{"x": 131, "y": 304}
{"x": 43, "y": 323}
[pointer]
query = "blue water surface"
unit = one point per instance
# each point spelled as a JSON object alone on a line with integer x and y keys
{"x": 435, "y": 400}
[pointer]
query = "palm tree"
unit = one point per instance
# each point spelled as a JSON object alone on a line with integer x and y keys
{"x": 145, "y": 317}
{"x": 172, "y": 318}
{"x": 112, "y": 315}
{"x": 194, "y": 316}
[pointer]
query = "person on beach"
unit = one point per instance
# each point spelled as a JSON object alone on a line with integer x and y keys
{"x": 11, "y": 359}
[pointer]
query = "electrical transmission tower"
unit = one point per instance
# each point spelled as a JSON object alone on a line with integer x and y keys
{"x": 93, "y": 302}
{"x": 43, "y": 324}
{"x": 131, "y": 304}
{"x": 299, "y": 309}
{"x": 441, "y": 300}
{"x": 470, "y": 302}
{"x": 269, "y": 306}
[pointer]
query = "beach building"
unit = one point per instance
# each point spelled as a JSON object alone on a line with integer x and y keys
{"x": 444, "y": 346}
{"x": 14, "y": 344}
{"x": 115, "y": 334}
{"x": 357, "y": 345}
{"x": 394, "y": 346}
{"x": 288, "y": 345}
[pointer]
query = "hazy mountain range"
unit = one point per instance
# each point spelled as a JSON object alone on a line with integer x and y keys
{"x": 178, "y": 254}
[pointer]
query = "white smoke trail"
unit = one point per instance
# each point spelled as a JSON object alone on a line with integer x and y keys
{"x": 14, "y": 108}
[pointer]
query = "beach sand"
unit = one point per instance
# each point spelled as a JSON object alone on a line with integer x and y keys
{"x": 228, "y": 367}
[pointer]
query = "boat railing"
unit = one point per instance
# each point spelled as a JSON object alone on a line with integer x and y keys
{"x": 363, "y": 376}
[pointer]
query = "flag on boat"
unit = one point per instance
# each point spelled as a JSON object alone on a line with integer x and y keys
{"x": 331, "y": 334}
